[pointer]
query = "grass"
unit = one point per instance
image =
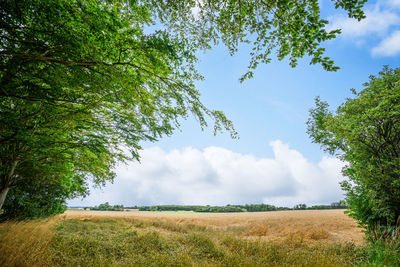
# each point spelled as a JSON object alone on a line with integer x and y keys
{"x": 24, "y": 243}
{"x": 128, "y": 241}
{"x": 384, "y": 247}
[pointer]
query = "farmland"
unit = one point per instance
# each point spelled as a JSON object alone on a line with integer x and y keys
{"x": 323, "y": 225}
{"x": 96, "y": 238}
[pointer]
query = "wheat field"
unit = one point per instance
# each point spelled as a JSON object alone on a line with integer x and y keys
{"x": 323, "y": 225}
{"x": 132, "y": 238}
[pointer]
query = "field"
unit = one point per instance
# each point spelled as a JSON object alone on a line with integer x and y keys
{"x": 313, "y": 225}
{"x": 96, "y": 238}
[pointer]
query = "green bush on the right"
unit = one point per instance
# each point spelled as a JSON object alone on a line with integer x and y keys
{"x": 364, "y": 132}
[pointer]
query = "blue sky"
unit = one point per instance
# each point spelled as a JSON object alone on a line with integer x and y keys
{"x": 273, "y": 161}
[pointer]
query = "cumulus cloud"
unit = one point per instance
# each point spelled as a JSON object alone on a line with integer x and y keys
{"x": 389, "y": 46}
{"x": 392, "y": 3}
{"x": 218, "y": 176}
{"x": 377, "y": 21}
{"x": 382, "y": 22}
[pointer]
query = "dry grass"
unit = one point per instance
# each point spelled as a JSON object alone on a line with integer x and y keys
{"x": 257, "y": 230}
{"x": 304, "y": 238}
{"x": 323, "y": 225}
{"x": 25, "y": 243}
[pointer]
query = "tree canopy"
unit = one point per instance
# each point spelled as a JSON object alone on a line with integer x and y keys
{"x": 82, "y": 80}
{"x": 288, "y": 28}
{"x": 365, "y": 133}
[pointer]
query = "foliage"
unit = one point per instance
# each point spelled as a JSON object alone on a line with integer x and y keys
{"x": 45, "y": 193}
{"x": 107, "y": 206}
{"x": 365, "y": 133}
{"x": 82, "y": 79}
{"x": 383, "y": 254}
{"x": 334, "y": 205}
{"x": 300, "y": 207}
{"x": 221, "y": 209}
{"x": 168, "y": 208}
{"x": 260, "y": 207}
{"x": 291, "y": 28}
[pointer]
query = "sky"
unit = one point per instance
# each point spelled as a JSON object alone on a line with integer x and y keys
{"x": 273, "y": 161}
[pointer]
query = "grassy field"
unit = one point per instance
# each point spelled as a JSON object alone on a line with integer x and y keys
{"x": 87, "y": 238}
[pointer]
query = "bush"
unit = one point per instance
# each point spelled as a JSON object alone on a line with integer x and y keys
{"x": 108, "y": 207}
{"x": 365, "y": 133}
{"x": 35, "y": 198}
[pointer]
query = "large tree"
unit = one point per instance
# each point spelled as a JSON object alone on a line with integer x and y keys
{"x": 365, "y": 133}
{"x": 81, "y": 79}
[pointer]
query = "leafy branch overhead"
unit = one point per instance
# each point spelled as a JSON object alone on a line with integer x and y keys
{"x": 291, "y": 28}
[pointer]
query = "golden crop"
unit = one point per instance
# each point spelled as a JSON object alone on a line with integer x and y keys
{"x": 88, "y": 238}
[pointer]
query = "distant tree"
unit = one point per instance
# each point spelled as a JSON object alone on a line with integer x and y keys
{"x": 106, "y": 206}
{"x": 300, "y": 207}
{"x": 339, "y": 204}
{"x": 364, "y": 132}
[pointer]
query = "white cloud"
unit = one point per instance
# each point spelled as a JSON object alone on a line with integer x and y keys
{"x": 377, "y": 22}
{"x": 382, "y": 22}
{"x": 389, "y": 46}
{"x": 392, "y": 3}
{"x": 218, "y": 176}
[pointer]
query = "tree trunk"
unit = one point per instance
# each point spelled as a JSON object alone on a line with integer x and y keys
{"x": 3, "y": 194}
{"x": 6, "y": 182}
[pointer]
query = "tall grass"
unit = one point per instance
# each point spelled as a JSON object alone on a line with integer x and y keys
{"x": 99, "y": 241}
{"x": 26, "y": 243}
{"x": 94, "y": 241}
{"x": 384, "y": 246}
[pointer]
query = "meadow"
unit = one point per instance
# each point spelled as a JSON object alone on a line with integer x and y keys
{"x": 96, "y": 238}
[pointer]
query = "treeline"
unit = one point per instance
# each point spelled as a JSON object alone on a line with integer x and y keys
{"x": 334, "y": 205}
{"x": 241, "y": 208}
{"x": 108, "y": 207}
{"x": 168, "y": 208}
{"x": 238, "y": 208}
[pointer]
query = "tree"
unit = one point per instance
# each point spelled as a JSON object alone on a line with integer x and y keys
{"x": 365, "y": 133}
{"x": 300, "y": 207}
{"x": 107, "y": 206}
{"x": 44, "y": 193}
{"x": 82, "y": 79}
